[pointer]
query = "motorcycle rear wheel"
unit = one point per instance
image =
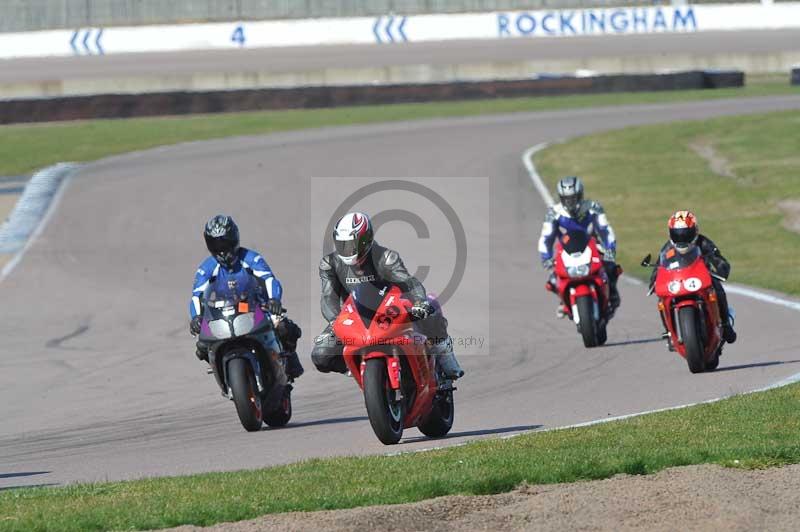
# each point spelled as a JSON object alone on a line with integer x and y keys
{"x": 712, "y": 364}
{"x": 281, "y": 415}
{"x": 690, "y": 332}
{"x": 587, "y": 325}
{"x": 440, "y": 420}
{"x": 602, "y": 334}
{"x": 385, "y": 414}
{"x": 245, "y": 395}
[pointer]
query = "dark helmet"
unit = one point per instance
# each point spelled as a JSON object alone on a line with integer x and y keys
{"x": 683, "y": 230}
{"x": 353, "y": 237}
{"x": 222, "y": 239}
{"x": 570, "y": 192}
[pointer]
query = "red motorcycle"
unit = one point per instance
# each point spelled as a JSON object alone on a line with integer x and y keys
{"x": 388, "y": 359}
{"x": 582, "y": 285}
{"x": 688, "y": 306}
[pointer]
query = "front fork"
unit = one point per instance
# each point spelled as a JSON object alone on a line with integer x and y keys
{"x": 676, "y": 324}
{"x": 252, "y": 359}
{"x": 573, "y": 298}
{"x": 393, "y": 369}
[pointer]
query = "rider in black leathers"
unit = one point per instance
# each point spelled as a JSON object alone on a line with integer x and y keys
{"x": 684, "y": 232}
{"x": 358, "y": 259}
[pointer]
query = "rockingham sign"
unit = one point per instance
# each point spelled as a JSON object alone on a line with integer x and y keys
{"x": 395, "y": 30}
{"x": 596, "y": 22}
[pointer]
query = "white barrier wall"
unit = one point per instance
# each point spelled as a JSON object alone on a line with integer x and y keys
{"x": 388, "y": 30}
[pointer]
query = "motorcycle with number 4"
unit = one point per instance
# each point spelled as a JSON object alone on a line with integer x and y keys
{"x": 688, "y": 306}
{"x": 401, "y": 383}
{"x": 241, "y": 355}
{"x": 582, "y": 285}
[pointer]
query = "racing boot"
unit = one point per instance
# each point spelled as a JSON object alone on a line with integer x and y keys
{"x": 613, "y": 297}
{"x": 728, "y": 333}
{"x": 293, "y": 366}
{"x": 446, "y": 359}
{"x": 612, "y": 271}
{"x": 201, "y": 351}
{"x": 288, "y": 333}
{"x": 560, "y": 314}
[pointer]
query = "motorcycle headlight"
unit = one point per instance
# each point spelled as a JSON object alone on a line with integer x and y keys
{"x": 674, "y": 287}
{"x": 243, "y": 323}
{"x": 220, "y": 329}
{"x": 578, "y": 271}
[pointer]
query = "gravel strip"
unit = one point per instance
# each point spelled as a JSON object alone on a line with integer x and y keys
{"x": 706, "y": 497}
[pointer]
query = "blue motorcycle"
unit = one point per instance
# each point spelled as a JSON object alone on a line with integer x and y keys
{"x": 243, "y": 351}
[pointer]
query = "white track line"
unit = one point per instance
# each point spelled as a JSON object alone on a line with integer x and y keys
{"x": 527, "y": 160}
{"x": 33, "y": 210}
{"x": 746, "y": 291}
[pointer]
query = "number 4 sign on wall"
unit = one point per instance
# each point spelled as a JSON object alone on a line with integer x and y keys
{"x": 238, "y": 35}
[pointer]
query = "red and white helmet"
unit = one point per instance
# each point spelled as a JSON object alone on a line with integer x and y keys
{"x": 353, "y": 237}
{"x": 683, "y": 229}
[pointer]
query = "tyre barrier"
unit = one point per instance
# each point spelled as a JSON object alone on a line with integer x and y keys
{"x": 796, "y": 76}
{"x": 181, "y": 103}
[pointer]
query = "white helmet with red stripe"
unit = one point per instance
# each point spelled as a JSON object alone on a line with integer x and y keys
{"x": 353, "y": 237}
{"x": 683, "y": 230}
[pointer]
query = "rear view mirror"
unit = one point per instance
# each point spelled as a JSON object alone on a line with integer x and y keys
{"x": 647, "y": 259}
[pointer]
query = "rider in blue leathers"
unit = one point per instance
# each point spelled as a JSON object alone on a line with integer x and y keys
{"x": 575, "y": 213}
{"x": 222, "y": 239}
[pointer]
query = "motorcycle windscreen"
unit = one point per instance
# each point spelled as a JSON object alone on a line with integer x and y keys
{"x": 672, "y": 259}
{"x": 230, "y": 300}
{"x": 368, "y": 298}
{"x": 574, "y": 241}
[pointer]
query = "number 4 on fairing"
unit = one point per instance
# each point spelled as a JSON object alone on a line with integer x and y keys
{"x": 238, "y": 35}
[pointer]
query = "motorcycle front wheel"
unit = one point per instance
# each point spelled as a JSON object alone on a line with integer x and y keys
{"x": 245, "y": 396}
{"x": 587, "y": 325}
{"x": 385, "y": 413}
{"x": 688, "y": 321}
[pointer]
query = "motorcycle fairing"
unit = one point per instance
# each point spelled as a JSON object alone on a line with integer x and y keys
{"x": 573, "y": 250}
{"x": 683, "y": 280}
{"x": 389, "y": 334}
{"x": 235, "y": 326}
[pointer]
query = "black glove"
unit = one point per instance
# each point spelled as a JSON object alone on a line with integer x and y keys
{"x": 422, "y": 309}
{"x": 547, "y": 264}
{"x": 719, "y": 267}
{"x": 194, "y": 325}
{"x": 274, "y": 307}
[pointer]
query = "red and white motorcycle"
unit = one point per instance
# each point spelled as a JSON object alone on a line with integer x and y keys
{"x": 582, "y": 285}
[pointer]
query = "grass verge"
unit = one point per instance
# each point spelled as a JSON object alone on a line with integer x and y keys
{"x": 27, "y": 147}
{"x": 740, "y": 175}
{"x": 749, "y": 431}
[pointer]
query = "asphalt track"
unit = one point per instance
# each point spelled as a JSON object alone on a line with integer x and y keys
{"x": 300, "y": 59}
{"x": 98, "y": 380}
